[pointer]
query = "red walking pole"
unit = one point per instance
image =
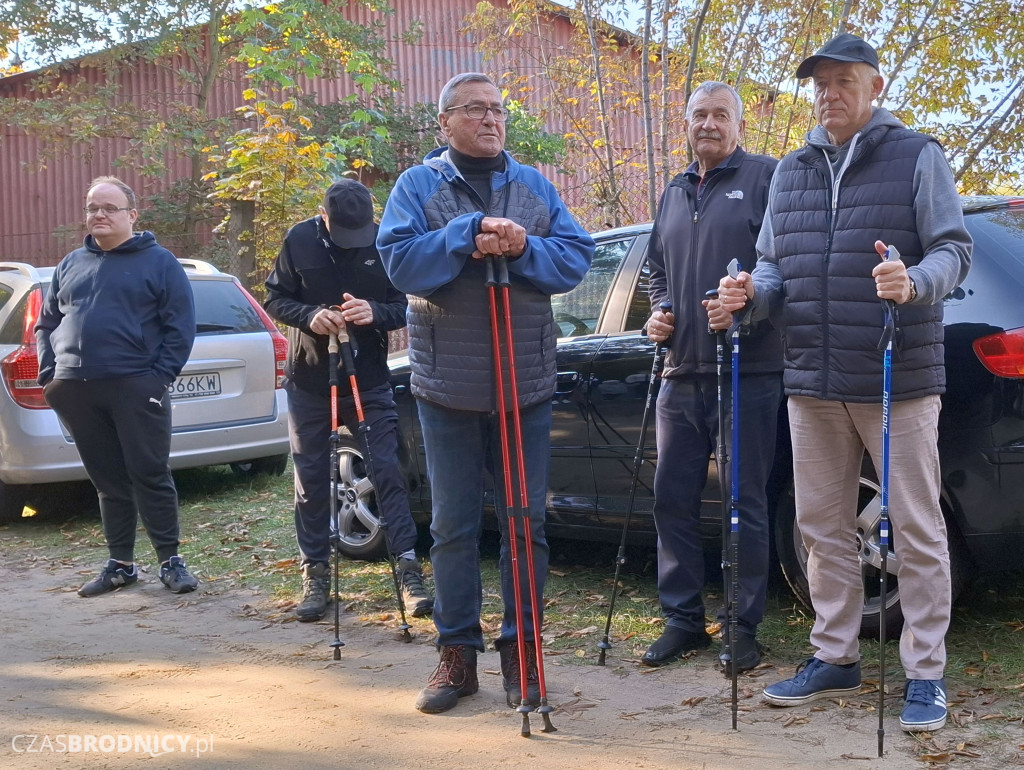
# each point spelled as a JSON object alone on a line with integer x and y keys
{"x": 522, "y": 510}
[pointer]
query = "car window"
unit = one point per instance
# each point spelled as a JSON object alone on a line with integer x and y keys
{"x": 999, "y": 235}
{"x": 221, "y": 308}
{"x": 11, "y": 332}
{"x": 640, "y": 302}
{"x": 577, "y": 311}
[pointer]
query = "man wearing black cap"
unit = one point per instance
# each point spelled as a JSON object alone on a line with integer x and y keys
{"x": 327, "y": 277}
{"x": 863, "y": 188}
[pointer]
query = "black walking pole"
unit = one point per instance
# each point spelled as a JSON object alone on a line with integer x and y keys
{"x": 883, "y": 517}
{"x": 620, "y": 558}
{"x": 523, "y": 509}
{"x": 332, "y": 374}
{"x": 364, "y": 432}
{"x": 722, "y": 462}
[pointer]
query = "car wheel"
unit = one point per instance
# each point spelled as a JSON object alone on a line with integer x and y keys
{"x": 793, "y": 558}
{"x": 261, "y": 466}
{"x": 12, "y": 501}
{"x": 360, "y": 535}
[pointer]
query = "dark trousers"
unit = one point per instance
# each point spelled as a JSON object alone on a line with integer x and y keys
{"x": 309, "y": 428}
{"x": 122, "y": 428}
{"x": 687, "y": 428}
{"x": 464, "y": 459}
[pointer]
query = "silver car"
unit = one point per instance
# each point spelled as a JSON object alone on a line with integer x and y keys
{"x": 228, "y": 401}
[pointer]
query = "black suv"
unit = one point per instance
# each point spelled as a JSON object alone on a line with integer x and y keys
{"x": 603, "y": 366}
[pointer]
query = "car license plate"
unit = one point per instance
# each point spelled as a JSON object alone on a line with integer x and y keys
{"x": 196, "y": 385}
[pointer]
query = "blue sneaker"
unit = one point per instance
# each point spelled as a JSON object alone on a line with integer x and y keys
{"x": 924, "y": 709}
{"x": 814, "y": 679}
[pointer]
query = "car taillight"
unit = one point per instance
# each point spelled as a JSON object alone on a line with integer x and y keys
{"x": 21, "y": 368}
{"x": 280, "y": 341}
{"x": 1002, "y": 353}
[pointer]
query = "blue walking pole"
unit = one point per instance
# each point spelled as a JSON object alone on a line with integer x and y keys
{"x": 883, "y": 517}
{"x": 734, "y": 511}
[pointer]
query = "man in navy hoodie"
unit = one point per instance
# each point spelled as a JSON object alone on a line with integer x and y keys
{"x": 115, "y": 330}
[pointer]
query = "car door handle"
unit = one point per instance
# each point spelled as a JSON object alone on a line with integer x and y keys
{"x": 567, "y": 383}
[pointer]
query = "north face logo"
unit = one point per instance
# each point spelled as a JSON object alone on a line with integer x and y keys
{"x": 735, "y": 195}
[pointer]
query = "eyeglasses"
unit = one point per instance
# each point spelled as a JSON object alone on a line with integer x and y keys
{"x": 91, "y": 211}
{"x": 477, "y": 111}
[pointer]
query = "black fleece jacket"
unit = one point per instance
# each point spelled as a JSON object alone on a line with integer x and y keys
{"x": 701, "y": 226}
{"x": 312, "y": 273}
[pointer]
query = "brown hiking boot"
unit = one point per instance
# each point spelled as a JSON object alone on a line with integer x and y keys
{"x": 414, "y": 595}
{"x": 511, "y": 679}
{"x": 316, "y": 592}
{"x": 454, "y": 677}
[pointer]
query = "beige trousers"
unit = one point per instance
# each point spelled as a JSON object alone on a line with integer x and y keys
{"x": 829, "y": 438}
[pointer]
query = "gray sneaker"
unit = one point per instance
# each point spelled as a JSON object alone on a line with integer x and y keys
{"x": 176, "y": 576}
{"x": 114, "y": 575}
{"x": 316, "y": 592}
{"x": 414, "y": 594}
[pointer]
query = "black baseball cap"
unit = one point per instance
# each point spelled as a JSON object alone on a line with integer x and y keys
{"x": 349, "y": 208}
{"x": 844, "y": 47}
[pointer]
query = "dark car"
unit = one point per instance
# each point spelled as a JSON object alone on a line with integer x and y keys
{"x": 603, "y": 367}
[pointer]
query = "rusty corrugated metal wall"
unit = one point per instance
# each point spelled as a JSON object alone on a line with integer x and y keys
{"x": 40, "y": 208}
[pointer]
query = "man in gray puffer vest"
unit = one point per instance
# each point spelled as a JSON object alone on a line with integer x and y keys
{"x": 468, "y": 200}
{"x": 863, "y": 182}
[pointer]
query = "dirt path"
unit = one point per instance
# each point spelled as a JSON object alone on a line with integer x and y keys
{"x": 223, "y": 668}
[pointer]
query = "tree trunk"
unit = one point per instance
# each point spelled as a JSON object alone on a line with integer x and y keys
{"x": 242, "y": 242}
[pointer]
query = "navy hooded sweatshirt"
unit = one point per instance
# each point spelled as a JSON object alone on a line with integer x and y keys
{"x": 126, "y": 312}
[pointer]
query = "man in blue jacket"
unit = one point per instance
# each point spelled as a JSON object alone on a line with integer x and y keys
{"x": 468, "y": 200}
{"x": 864, "y": 182}
{"x": 710, "y": 214}
{"x": 328, "y": 277}
{"x": 115, "y": 330}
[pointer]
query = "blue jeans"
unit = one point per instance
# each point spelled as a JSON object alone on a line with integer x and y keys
{"x": 687, "y": 434}
{"x": 463, "y": 448}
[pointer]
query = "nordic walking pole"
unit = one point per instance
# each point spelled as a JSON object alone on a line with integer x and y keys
{"x": 332, "y": 373}
{"x": 524, "y": 502}
{"x": 883, "y": 517}
{"x": 734, "y": 510}
{"x": 499, "y": 384}
{"x": 722, "y": 462}
{"x": 364, "y": 431}
{"x": 620, "y": 558}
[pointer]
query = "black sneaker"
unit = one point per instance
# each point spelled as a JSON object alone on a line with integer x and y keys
{"x": 316, "y": 592}
{"x": 747, "y": 654}
{"x": 410, "y": 577}
{"x": 511, "y": 674}
{"x": 454, "y": 678}
{"x": 115, "y": 575}
{"x": 176, "y": 577}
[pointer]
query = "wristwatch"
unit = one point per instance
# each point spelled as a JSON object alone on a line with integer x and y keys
{"x": 913, "y": 291}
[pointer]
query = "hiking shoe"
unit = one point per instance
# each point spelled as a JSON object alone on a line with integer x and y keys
{"x": 672, "y": 643}
{"x": 414, "y": 596}
{"x": 747, "y": 653}
{"x": 316, "y": 592}
{"x": 511, "y": 674}
{"x": 114, "y": 576}
{"x": 176, "y": 577}
{"x": 924, "y": 709}
{"x": 454, "y": 678}
{"x": 815, "y": 679}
